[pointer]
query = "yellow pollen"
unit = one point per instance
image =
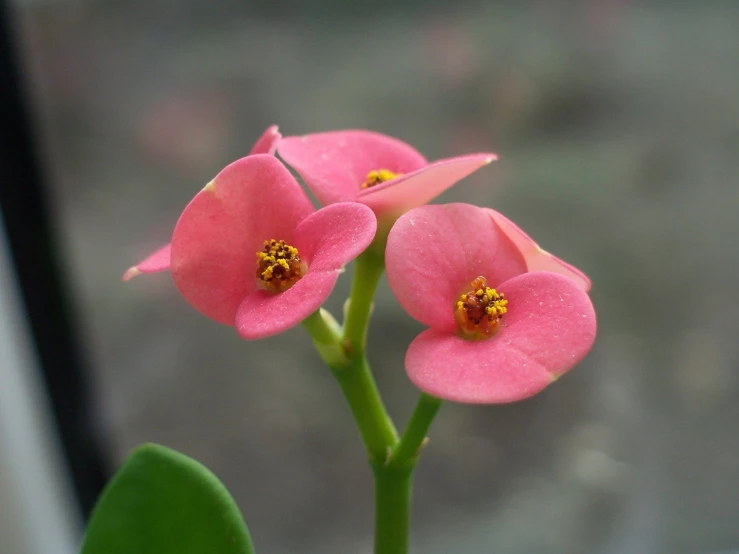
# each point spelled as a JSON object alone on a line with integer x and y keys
{"x": 478, "y": 311}
{"x": 278, "y": 265}
{"x": 378, "y": 176}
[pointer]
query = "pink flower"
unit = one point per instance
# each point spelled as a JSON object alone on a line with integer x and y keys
{"x": 387, "y": 175}
{"x": 159, "y": 260}
{"x": 500, "y": 328}
{"x": 251, "y": 251}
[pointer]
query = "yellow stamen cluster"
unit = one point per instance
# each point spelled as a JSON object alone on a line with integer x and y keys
{"x": 378, "y": 176}
{"x": 278, "y": 265}
{"x": 478, "y": 311}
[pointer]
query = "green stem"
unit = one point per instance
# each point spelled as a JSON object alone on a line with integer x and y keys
{"x": 392, "y": 460}
{"x": 392, "y": 509}
{"x": 326, "y": 335}
{"x": 368, "y": 268}
{"x": 322, "y": 327}
{"x": 358, "y": 385}
{"x": 407, "y": 450}
{"x": 375, "y": 426}
{"x": 393, "y": 481}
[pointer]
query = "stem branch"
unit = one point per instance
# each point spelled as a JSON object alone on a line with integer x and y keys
{"x": 358, "y": 385}
{"x": 375, "y": 426}
{"x": 407, "y": 450}
{"x": 368, "y": 268}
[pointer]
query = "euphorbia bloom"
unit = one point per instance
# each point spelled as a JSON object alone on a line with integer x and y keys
{"x": 500, "y": 329}
{"x": 386, "y": 174}
{"x": 160, "y": 259}
{"x": 251, "y": 251}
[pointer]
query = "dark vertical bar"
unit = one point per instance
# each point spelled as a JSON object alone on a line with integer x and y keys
{"x": 32, "y": 239}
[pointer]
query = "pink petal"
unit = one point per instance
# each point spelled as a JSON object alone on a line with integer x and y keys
{"x": 263, "y": 314}
{"x": 396, "y": 197}
{"x": 538, "y": 259}
{"x": 550, "y": 326}
{"x": 267, "y": 143}
{"x": 335, "y": 235}
{"x": 326, "y": 240}
{"x": 434, "y": 252}
{"x": 218, "y": 235}
{"x": 335, "y": 164}
{"x": 154, "y": 263}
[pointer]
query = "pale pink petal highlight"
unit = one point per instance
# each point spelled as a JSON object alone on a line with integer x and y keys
{"x": 335, "y": 235}
{"x": 538, "y": 259}
{"x": 263, "y": 314}
{"x": 434, "y": 252}
{"x": 267, "y": 143}
{"x": 396, "y": 197}
{"x": 154, "y": 263}
{"x": 335, "y": 164}
{"x": 217, "y": 237}
{"x": 549, "y": 327}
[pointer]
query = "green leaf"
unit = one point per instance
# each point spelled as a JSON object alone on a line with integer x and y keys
{"x": 162, "y": 502}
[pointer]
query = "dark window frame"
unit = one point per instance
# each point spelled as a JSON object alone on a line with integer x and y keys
{"x": 33, "y": 240}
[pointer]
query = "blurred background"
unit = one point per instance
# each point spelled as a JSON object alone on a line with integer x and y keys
{"x": 617, "y": 127}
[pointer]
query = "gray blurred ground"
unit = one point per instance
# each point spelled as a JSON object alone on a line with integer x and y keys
{"x": 617, "y": 125}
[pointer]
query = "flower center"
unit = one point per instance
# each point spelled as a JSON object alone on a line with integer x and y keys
{"x": 278, "y": 265}
{"x": 478, "y": 311}
{"x": 378, "y": 176}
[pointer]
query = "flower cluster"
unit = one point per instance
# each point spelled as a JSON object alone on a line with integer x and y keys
{"x": 505, "y": 317}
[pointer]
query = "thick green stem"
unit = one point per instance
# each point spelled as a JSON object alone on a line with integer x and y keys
{"x": 393, "y": 481}
{"x": 392, "y": 509}
{"x": 368, "y": 268}
{"x": 392, "y": 460}
{"x": 406, "y": 452}
{"x": 375, "y": 426}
